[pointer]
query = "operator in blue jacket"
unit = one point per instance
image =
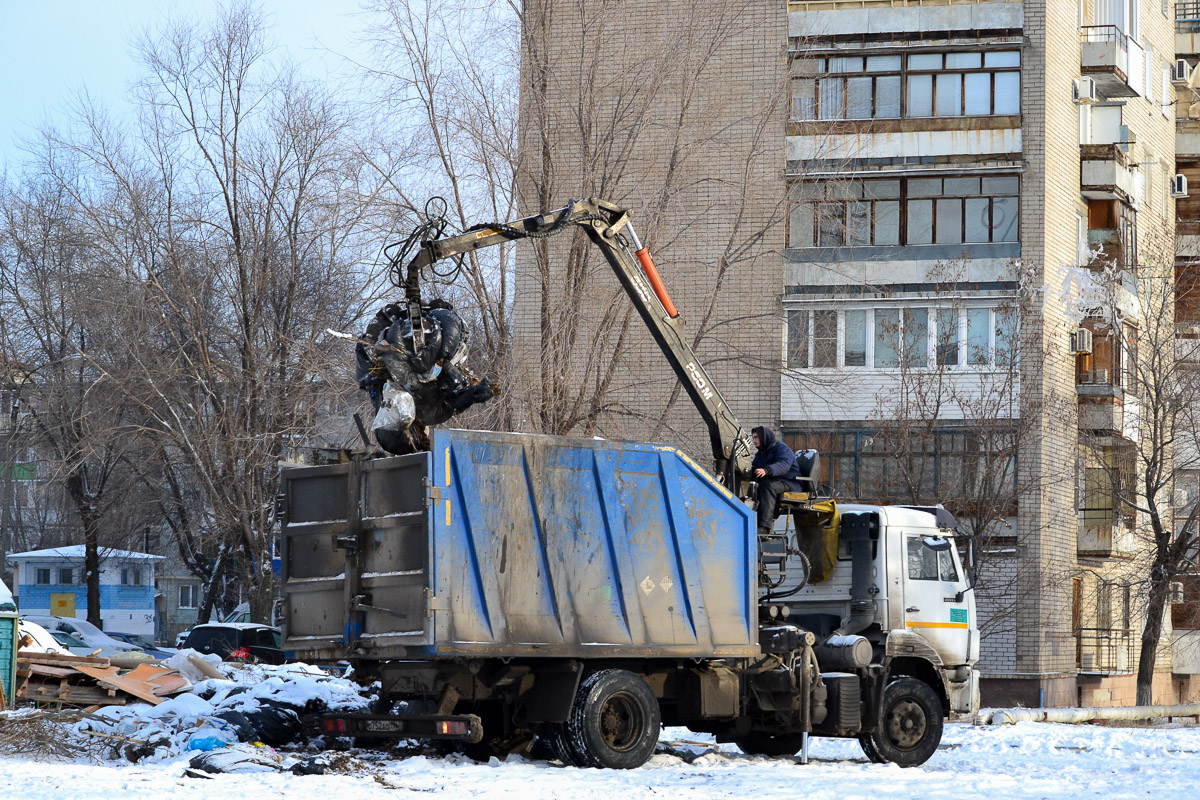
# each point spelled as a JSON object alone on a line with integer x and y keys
{"x": 776, "y": 471}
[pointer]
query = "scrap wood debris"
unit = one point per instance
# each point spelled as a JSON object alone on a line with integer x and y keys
{"x": 87, "y": 682}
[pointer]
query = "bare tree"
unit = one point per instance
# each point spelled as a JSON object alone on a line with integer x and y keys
{"x": 56, "y": 317}
{"x": 512, "y": 118}
{"x": 1157, "y": 393}
{"x": 228, "y": 228}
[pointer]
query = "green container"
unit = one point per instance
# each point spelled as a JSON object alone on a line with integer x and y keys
{"x": 8, "y": 656}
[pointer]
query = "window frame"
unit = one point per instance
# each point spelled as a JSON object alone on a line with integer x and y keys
{"x": 811, "y": 204}
{"x": 839, "y": 81}
{"x": 193, "y": 589}
{"x": 965, "y": 361}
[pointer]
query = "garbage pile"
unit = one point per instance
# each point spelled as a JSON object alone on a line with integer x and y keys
{"x": 416, "y": 381}
{"x": 229, "y": 713}
{"x": 249, "y": 703}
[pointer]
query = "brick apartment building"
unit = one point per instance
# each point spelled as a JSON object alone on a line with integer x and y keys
{"x": 938, "y": 181}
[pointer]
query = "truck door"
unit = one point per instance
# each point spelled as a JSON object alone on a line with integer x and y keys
{"x": 937, "y": 603}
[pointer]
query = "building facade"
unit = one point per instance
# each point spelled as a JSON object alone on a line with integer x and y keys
{"x": 53, "y": 583}
{"x": 975, "y": 198}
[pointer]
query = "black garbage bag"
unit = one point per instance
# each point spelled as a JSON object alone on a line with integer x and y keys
{"x": 413, "y": 388}
{"x": 245, "y": 729}
{"x": 275, "y": 723}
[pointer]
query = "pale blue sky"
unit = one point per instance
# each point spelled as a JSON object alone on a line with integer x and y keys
{"x": 49, "y": 49}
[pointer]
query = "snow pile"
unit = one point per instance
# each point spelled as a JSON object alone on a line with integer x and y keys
{"x": 252, "y": 703}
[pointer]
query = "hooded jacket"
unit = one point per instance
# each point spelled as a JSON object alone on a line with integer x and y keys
{"x": 774, "y": 456}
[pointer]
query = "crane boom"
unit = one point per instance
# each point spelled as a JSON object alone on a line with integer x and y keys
{"x": 604, "y": 224}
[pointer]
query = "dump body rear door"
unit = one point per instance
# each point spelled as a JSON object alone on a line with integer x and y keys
{"x": 356, "y": 557}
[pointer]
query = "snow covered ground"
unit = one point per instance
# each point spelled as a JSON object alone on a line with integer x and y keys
{"x": 1027, "y": 760}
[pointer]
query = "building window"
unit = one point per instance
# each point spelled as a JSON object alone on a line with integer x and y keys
{"x": 42, "y": 576}
{"x": 909, "y": 211}
{"x": 131, "y": 576}
{"x": 952, "y": 465}
{"x": 812, "y": 339}
{"x": 189, "y": 595}
{"x": 914, "y": 85}
{"x": 892, "y": 337}
{"x": 66, "y": 576}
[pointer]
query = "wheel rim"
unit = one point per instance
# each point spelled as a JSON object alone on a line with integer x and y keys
{"x": 621, "y": 722}
{"x": 906, "y": 723}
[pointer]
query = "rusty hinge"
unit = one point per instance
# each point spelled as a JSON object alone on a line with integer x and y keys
{"x": 433, "y": 494}
{"x": 434, "y": 603}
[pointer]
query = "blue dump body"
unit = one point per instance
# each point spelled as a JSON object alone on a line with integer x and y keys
{"x": 498, "y": 544}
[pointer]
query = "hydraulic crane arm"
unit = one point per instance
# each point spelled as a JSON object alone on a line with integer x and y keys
{"x": 605, "y": 225}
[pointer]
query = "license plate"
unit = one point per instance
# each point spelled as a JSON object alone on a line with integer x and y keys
{"x": 384, "y": 725}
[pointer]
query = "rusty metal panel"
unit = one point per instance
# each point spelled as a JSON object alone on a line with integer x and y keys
{"x": 585, "y": 547}
{"x": 355, "y": 555}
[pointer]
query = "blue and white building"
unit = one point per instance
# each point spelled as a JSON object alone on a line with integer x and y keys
{"x": 54, "y": 582}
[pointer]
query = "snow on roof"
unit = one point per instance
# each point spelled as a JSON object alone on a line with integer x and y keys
{"x": 6, "y": 598}
{"x": 77, "y": 551}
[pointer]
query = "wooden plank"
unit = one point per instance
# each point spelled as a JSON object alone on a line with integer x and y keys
{"x": 46, "y": 669}
{"x": 160, "y": 680}
{"x": 34, "y": 657}
{"x": 76, "y": 695}
{"x": 107, "y": 676}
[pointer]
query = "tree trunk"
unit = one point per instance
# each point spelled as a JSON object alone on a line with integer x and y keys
{"x": 91, "y": 563}
{"x": 1155, "y": 608}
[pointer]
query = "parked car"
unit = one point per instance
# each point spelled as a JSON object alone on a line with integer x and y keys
{"x": 239, "y": 640}
{"x": 143, "y": 644}
{"x": 89, "y": 633}
{"x": 75, "y": 645}
{"x": 183, "y": 634}
{"x": 37, "y": 639}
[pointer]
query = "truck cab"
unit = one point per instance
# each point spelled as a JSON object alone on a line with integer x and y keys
{"x": 922, "y": 618}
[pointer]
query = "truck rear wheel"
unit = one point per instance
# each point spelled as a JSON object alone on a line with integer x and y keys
{"x": 770, "y": 744}
{"x": 910, "y": 725}
{"x": 614, "y": 721}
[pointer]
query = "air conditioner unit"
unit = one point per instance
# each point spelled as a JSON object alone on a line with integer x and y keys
{"x": 1084, "y": 90}
{"x": 1179, "y": 188}
{"x": 1181, "y": 72}
{"x": 1095, "y": 377}
{"x": 1081, "y": 341}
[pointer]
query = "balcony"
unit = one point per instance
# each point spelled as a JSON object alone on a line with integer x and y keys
{"x": 1187, "y": 28}
{"x": 1106, "y": 173}
{"x": 1105, "y": 651}
{"x": 1105, "y": 57}
{"x": 1104, "y": 540}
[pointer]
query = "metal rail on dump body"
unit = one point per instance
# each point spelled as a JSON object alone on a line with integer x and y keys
{"x": 505, "y": 545}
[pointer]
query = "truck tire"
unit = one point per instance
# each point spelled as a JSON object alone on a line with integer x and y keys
{"x": 910, "y": 725}
{"x": 770, "y": 744}
{"x": 614, "y": 721}
{"x": 557, "y": 739}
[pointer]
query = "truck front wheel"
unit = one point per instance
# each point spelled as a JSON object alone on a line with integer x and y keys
{"x": 614, "y": 722}
{"x": 910, "y": 725}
